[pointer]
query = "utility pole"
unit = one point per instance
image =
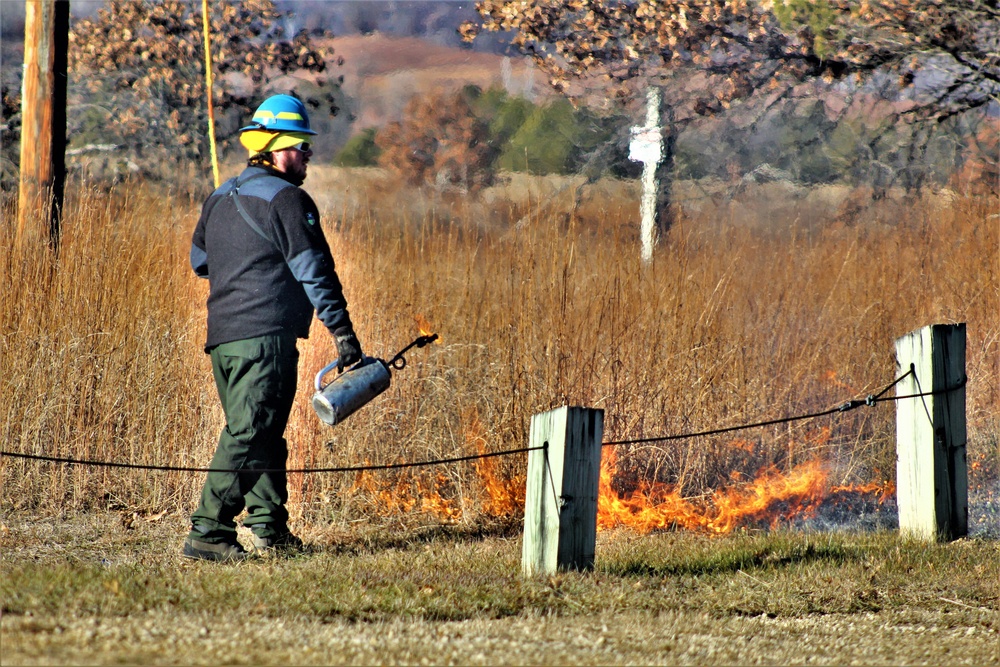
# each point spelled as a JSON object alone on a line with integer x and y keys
{"x": 43, "y": 117}
{"x": 647, "y": 147}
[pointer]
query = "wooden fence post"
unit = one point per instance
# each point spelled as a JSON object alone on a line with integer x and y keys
{"x": 932, "y": 487}
{"x": 560, "y": 509}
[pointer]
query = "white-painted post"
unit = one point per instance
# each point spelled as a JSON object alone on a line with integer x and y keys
{"x": 932, "y": 487}
{"x": 647, "y": 147}
{"x": 560, "y": 507}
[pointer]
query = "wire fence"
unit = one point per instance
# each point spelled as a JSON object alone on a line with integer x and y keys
{"x": 871, "y": 400}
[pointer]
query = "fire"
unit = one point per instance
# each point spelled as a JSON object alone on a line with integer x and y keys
{"x": 432, "y": 502}
{"x": 408, "y": 493}
{"x": 831, "y": 377}
{"x": 648, "y": 508}
{"x": 799, "y": 492}
{"x": 411, "y": 491}
{"x": 745, "y": 445}
{"x": 884, "y": 490}
{"x": 425, "y": 327}
{"x": 771, "y": 497}
{"x": 503, "y": 496}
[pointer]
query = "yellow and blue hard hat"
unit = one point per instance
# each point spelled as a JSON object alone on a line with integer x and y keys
{"x": 279, "y": 122}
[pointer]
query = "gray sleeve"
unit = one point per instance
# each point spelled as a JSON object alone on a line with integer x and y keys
{"x": 199, "y": 261}
{"x": 314, "y": 269}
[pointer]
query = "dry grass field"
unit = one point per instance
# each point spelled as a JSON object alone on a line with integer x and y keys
{"x": 760, "y": 303}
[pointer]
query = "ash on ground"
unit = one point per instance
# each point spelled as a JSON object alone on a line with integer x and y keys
{"x": 868, "y": 512}
{"x": 984, "y": 511}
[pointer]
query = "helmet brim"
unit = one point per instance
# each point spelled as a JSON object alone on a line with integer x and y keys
{"x": 261, "y": 141}
{"x": 261, "y": 128}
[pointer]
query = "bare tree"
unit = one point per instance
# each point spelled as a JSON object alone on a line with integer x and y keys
{"x": 943, "y": 56}
{"x": 140, "y": 64}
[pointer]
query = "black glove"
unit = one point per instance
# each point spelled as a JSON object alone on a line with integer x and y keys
{"x": 348, "y": 348}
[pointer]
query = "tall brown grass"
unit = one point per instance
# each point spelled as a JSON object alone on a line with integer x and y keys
{"x": 744, "y": 315}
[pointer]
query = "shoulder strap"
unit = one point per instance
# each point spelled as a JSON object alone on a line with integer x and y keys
{"x": 235, "y": 194}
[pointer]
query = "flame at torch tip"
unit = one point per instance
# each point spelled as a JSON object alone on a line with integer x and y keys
{"x": 425, "y": 327}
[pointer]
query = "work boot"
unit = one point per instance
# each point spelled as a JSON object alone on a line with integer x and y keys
{"x": 217, "y": 551}
{"x": 284, "y": 542}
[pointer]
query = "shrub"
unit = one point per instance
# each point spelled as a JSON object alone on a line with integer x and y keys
{"x": 545, "y": 143}
{"x": 361, "y": 150}
{"x": 441, "y": 141}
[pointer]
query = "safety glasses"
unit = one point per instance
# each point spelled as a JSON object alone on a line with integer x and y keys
{"x": 303, "y": 147}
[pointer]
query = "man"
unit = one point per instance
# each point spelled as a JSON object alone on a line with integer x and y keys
{"x": 259, "y": 243}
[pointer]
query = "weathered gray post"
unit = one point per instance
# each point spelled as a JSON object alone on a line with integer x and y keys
{"x": 560, "y": 506}
{"x": 932, "y": 487}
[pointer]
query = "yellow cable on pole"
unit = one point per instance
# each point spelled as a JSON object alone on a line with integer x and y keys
{"x": 208, "y": 92}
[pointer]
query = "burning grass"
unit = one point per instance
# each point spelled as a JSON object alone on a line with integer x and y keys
{"x": 771, "y": 499}
{"x": 739, "y": 319}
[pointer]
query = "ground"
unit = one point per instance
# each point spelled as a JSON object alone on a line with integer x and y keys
{"x": 112, "y": 589}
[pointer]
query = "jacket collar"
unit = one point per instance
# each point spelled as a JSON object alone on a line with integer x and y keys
{"x": 255, "y": 169}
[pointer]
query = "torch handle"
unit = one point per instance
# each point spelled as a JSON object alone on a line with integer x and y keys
{"x": 398, "y": 362}
{"x": 326, "y": 369}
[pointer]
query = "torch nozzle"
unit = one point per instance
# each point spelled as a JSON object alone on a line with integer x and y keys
{"x": 399, "y": 361}
{"x": 425, "y": 340}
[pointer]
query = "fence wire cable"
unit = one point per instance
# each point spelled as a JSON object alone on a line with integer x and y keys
{"x": 257, "y": 471}
{"x": 552, "y": 479}
{"x": 870, "y": 400}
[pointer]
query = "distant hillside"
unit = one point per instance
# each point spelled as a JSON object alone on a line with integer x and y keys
{"x": 435, "y": 21}
{"x": 383, "y": 72}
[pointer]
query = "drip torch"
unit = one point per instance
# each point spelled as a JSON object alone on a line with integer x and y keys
{"x": 359, "y": 384}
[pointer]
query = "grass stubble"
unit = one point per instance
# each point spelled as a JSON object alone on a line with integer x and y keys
{"x": 743, "y": 316}
{"x": 95, "y": 589}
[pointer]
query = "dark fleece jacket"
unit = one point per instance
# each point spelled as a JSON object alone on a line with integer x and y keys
{"x": 259, "y": 285}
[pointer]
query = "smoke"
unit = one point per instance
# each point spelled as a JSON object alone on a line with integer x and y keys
{"x": 984, "y": 510}
{"x": 862, "y": 512}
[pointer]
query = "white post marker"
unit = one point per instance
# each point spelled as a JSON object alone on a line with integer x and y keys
{"x": 560, "y": 505}
{"x": 932, "y": 486}
{"x": 647, "y": 147}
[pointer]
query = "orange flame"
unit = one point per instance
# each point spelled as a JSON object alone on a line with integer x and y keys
{"x": 432, "y": 502}
{"x": 425, "y": 327}
{"x": 648, "y": 508}
{"x": 801, "y": 489}
{"x": 655, "y": 506}
{"x": 741, "y": 443}
{"x": 770, "y": 498}
{"x": 831, "y": 377}
{"x": 884, "y": 490}
{"x": 406, "y": 494}
{"x": 503, "y": 496}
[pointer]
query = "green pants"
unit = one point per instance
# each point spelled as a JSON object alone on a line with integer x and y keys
{"x": 256, "y": 379}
